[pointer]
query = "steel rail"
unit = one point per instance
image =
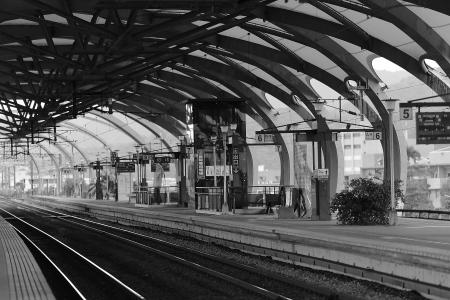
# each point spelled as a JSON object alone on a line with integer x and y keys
{"x": 52, "y": 263}
{"x": 248, "y": 286}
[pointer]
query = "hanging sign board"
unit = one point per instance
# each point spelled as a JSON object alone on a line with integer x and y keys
{"x": 373, "y": 135}
{"x": 321, "y": 174}
{"x": 144, "y": 158}
{"x": 406, "y": 113}
{"x": 219, "y": 170}
{"x": 162, "y": 159}
{"x": 125, "y": 167}
{"x": 113, "y": 158}
{"x": 264, "y": 138}
{"x": 200, "y": 164}
{"x": 433, "y": 128}
{"x": 235, "y": 160}
{"x": 316, "y": 137}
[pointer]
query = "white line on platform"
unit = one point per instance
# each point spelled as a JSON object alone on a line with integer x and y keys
{"x": 429, "y": 226}
{"x": 415, "y": 240}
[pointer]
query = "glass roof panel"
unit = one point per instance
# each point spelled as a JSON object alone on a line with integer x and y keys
{"x": 305, "y": 8}
{"x": 392, "y": 35}
{"x": 202, "y": 54}
{"x": 244, "y": 35}
{"x": 314, "y": 57}
{"x": 262, "y": 74}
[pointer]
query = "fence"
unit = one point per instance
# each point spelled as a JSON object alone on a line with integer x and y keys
{"x": 209, "y": 198}
{"x": 260, "y": 195}
{"x": 151, "y": 195}
{"x": 425, "y": 214}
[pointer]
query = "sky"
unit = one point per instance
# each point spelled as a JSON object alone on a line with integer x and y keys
{"x": 384, "y": 64}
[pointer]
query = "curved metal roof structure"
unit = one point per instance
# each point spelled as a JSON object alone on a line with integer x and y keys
{"x": 62, "y": 58}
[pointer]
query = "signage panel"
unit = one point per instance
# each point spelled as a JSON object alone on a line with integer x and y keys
{"x": 315, "y": 137}
{"x": 219, "y": 170}
{"x": 373, "y": 135}
{"x": 125, "y": 167}
{"x": 264, "y": 138}
{"x": 320, "y": 174}
{"x": 406, "y": 113}
{"x": 433, "y": 128}
{"x": 162, "y": 159}
{"x": 235, "y": 160}
{"x": 200, "y": 164}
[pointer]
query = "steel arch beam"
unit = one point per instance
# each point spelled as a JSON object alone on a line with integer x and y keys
{"x": 435, "y": 46}
{"x": 87, "y": 132}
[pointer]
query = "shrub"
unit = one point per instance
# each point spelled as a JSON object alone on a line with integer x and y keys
{"x": 365, "y": 202}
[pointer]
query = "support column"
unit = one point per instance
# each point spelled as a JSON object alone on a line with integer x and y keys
{"x": 322, "y": 186}
{"x": 32, "y": 176}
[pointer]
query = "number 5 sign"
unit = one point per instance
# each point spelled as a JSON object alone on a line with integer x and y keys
{"x": 406, "y": 113}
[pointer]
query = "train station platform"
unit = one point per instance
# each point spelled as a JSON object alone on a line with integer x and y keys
{"x": 20, "y": 275}
{"x": 413, "y": 255}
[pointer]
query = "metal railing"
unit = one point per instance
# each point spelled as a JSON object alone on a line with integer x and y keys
{"x": 209, "y": 198}
{"x": 261, "y": 195}
{"x": 150, "y": 195}
{"x": 425, "y": 214}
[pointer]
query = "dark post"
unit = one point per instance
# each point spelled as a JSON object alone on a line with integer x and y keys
{"x": 182, "y": 174}
{"x": 98, "y": 184}
{"x": 116, "y": 187}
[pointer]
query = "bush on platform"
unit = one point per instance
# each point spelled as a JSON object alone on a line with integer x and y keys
{"x": 364, "y": 202}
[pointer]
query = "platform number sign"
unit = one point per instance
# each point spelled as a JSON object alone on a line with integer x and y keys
{"x": 406, "y": 113}
{"x": 373, "y": 135}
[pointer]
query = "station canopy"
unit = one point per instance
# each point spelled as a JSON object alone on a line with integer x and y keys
{"x": 60, "y": 59}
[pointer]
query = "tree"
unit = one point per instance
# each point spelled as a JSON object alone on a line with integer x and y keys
{"x": 417, "y": 193}
{"x": 365, "y": 202}
{"x": 413, "y": 154}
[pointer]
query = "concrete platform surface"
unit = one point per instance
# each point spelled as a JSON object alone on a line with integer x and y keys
{"x": 20, "y": 276}
{"x": 425, "y": 237}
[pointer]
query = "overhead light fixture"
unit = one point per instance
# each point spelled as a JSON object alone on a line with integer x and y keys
{"x": 318, "y": 105}
{"x": 390, "y": 104}
{"x": 224, "y": 128}
{"x": 110, "y": 103}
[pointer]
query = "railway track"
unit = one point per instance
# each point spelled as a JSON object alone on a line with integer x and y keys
{"x": 228, "y": 274}
{"x": 291, "y": 288}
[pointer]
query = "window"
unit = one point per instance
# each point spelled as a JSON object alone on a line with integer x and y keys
{"x": 347, "y": 136}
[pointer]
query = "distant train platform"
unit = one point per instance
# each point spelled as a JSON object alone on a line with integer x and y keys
{"x": 427, "y": 236}
{"x": 20, "y": 275}
{"x": 416, "y": 249}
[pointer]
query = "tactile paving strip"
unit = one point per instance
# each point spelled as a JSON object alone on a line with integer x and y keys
{"x": 20, "y": 276}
